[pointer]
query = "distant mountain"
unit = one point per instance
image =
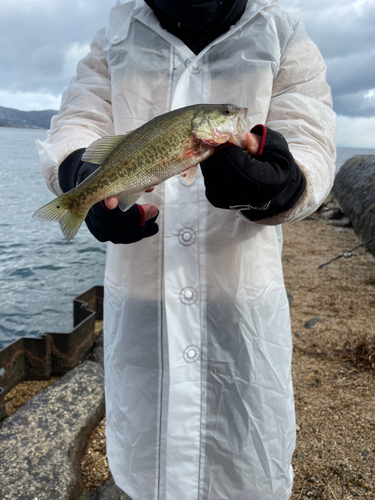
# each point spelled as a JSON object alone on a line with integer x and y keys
{"x": 25, "y": 119}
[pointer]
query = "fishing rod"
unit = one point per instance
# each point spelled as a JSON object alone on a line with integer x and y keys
{"x": 346, "y": 254}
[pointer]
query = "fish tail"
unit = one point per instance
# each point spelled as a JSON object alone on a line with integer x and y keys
{"x": 60, "y": 209}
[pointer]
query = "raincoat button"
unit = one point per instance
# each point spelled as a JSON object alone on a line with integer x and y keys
{"x": 191, "y": 354}
{"x": 188, "y": 295}
{"x": 186, "y": 236}
{"x": 195, "y": 68}
{"x": 116, "y": 38}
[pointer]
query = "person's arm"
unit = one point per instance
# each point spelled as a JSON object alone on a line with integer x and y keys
{"x": 292, "y": 172}
{"x": 85, "y": 116}
{"x": 301, "y": 110}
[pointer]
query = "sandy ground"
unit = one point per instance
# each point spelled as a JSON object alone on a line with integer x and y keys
{"x": 333, "y": 366}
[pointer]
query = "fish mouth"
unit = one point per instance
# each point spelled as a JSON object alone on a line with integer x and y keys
{"x": 232, "y": 132}
{"x": 235, "y": 133}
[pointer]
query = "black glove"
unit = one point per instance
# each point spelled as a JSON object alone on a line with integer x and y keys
{"x": 106, "y": 225}
{"x": 259, "y": 186}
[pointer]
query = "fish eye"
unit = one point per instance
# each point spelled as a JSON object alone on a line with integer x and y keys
{"x": 226, "y": 111}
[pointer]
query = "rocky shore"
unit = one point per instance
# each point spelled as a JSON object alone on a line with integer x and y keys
{"x": 53, "y": 447}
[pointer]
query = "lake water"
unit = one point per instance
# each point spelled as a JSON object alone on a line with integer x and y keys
{"x": 40, "y": 272}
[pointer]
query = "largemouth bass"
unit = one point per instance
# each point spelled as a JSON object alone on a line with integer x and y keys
{"x": 170, "y": 144}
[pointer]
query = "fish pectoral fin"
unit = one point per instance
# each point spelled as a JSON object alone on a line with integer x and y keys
{"x": 125, "y": 201}
{"x": 191, "y": 152}
{"x": 98, "y": 151}
{"x": 189, "y": 174}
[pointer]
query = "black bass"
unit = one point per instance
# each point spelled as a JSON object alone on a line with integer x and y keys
{"x": 170, "y": 144}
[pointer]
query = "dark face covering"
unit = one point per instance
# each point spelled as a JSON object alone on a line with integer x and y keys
{"x": 198, "y": 15}
{"x": 197, "y": 22}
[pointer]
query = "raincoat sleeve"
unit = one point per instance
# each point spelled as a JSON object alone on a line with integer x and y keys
{"x": 85, "y": 114}
{"x": 301, "y": 110}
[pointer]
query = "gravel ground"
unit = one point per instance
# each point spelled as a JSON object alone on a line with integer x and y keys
{"x": 94, "y": 464}
{"x": 333, "y": 366}
{"x": 24, "y": 391}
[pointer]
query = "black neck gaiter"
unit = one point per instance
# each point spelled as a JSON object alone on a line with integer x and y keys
{"x": 197, "y": 23}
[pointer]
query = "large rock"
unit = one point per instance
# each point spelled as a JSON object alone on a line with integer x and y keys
{"x": 42, "y": 443}
{"x": 354, "y": 189}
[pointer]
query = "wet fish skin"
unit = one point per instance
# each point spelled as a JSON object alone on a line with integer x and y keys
{"x": 161, "y": 148}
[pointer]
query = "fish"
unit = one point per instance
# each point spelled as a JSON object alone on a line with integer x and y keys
{"x": 169, "y": 144}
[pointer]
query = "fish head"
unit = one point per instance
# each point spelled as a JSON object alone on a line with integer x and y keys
{"x": 215, "y": 125}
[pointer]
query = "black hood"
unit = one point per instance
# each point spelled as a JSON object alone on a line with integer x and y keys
{"x": 197, "y": 22}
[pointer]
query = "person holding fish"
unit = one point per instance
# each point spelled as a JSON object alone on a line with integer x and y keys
{"x": 197, "y": 337}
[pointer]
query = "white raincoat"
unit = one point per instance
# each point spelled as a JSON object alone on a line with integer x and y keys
{"x": 199, "y": 396}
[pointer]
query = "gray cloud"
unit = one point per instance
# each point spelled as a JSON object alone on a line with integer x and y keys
{"x": 344, "y": 32}
{"x": 352, "y": 78}
{"x": 36, "y": 38}
{"x": 47, "y": 60}
{"x": 355, "y": 105}
{"x": 341, "y": 33}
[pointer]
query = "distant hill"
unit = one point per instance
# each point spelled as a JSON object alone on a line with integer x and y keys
{"x": 25, "y": 119}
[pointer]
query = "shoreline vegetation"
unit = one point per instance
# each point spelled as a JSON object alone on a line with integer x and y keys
{"x": 333, "y": 328}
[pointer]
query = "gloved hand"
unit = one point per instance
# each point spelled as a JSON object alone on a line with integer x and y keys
{"x": 259, "y": 185}
{"x": 108, "y": 224}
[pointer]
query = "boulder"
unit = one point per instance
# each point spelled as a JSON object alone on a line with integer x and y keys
{"x": 354, "y": 189}
{"x": 42, "y": 443}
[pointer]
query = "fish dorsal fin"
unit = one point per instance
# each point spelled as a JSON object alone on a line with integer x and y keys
{"x": 125, "y": 201}
{"x": 98, "y": 151}
{"x": 189, "y": 175}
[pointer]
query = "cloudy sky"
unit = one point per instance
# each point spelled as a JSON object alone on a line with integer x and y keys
{"x": 42, "y": 41}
